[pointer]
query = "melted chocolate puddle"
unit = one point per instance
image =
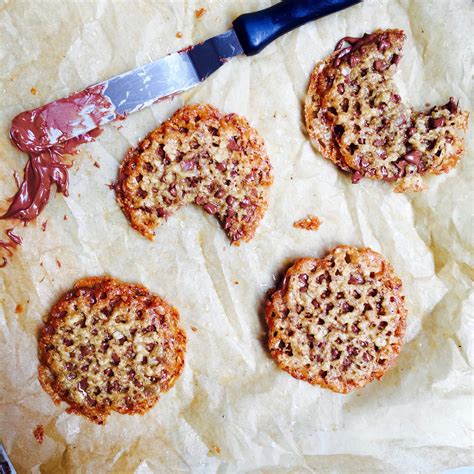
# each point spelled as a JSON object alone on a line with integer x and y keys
{"x": 32, "y": 132}
{"x": 42, "y": 170}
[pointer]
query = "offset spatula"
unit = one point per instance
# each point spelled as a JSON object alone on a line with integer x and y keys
{"x": 131, "y": 91}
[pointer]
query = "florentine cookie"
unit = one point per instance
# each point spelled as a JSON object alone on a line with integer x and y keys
{"x": 356, "y": 118}
{"x": 338, "y": 321}
{"x": 198, "y": 156}
{"x": 108, "y": 345}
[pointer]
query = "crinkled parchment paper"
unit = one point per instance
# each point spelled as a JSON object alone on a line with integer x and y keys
{"x": 233, "y": 409}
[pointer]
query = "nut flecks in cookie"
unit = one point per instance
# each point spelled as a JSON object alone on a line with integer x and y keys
{"x": 338, "y": 321}
{"x": 356, "y": 117}
{"x": 38, "y": 433}
{"x": 110, "y": 346}
{"x": 199, "y": 156}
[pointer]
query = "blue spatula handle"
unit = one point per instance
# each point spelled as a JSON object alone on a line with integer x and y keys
{"x": 257, "y": 30}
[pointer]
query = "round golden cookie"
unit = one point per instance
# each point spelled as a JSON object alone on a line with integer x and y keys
{"x": 339, "y": 321}
{"x": 199, "y": 156}
{"x": 109, "y": 346}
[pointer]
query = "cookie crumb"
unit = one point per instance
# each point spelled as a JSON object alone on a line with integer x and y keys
{"x": 199, "y": 13}
{"x": 19, "y": 309}
{"x": 308, "y": 223}
{"x": 96, "y": 164}
{"x": 215, "y": 450}
{"x": 43, "y": 225}
{"x": 58, "y": 263}
{"x": 38, "y": 433}
{"x": 194, "y": 328}
{"x": 65, "y": 217}
{"x": 179, "y": 34}
{"x": 34, "y": 91}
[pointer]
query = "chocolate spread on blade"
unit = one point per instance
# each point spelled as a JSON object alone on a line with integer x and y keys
{"x": 39, "y": 129}
{"x": 43, "y": 135}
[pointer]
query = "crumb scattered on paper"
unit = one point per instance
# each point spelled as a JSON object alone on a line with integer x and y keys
{"x": 215, "y": 450}
{"x": 179, "y": 34}
{"x": 199, "y": 13}
{"x": 194, "y": 328}
{"x": 34, "y": 91}
{"x": 19, "y": 308}
{"x": 308, "y": 223}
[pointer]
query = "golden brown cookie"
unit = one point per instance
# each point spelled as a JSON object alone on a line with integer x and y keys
{"x": 339, "y": 321}
{"x": 110, "y": 346}
{"x": 198, "y": 156}
{"x": 356, "y": 118}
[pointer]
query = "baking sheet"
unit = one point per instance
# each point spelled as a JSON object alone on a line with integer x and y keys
{"x": 233, "y": 409}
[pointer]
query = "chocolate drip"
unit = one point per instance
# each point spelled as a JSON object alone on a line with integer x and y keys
{"x": 34, "y": 132}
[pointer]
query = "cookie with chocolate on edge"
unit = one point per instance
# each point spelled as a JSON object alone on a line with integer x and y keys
{"x": 356, "y": 118}
{"x": 109, "y": 346}
{"x": 337, "y": 321}
{"x": 199, "y": 156}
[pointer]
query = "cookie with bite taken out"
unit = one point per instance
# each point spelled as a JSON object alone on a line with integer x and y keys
{"x": 356, "y": 118}
{"x": 203, "y": 157}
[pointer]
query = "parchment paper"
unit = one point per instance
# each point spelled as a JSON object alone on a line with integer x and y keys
{"x": 233, "y": 409}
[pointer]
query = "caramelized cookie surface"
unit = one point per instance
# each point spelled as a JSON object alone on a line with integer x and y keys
{"x": 338, "y": 321}
{"x": 110, "y": 346}
{"x": 199, "y": 156}
{"x": 356, "y": 117}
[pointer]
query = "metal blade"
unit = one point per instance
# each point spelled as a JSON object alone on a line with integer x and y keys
{"x": 171, "y": 74}
{"x": 6, "y": 467}
{"x": 121, "y": 95}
